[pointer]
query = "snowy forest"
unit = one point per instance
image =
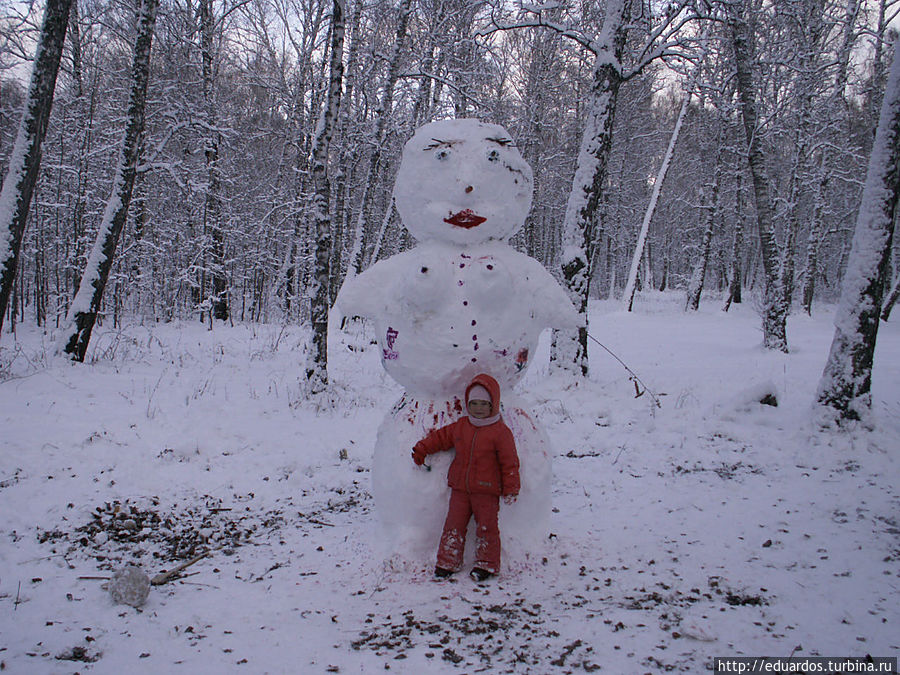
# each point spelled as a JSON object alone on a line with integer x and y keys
{"x": 215, "y": 190}
{"x": 220, "y": 219}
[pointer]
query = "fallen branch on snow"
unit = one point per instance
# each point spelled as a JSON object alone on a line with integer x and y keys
{"x": 634, "y": 378}
{"x": 163, "y": 577}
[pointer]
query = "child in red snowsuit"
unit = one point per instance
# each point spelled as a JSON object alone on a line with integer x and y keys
{"x": 485, "y": 468}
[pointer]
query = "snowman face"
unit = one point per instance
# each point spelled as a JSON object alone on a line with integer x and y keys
{"x": 462, "y": 182}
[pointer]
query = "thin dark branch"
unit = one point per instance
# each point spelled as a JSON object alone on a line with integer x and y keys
{"x": 634, "y": 377}
{"x": 538, "y": 22}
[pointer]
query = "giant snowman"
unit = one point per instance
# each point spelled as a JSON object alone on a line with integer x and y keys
{"x": 461, "y": 302}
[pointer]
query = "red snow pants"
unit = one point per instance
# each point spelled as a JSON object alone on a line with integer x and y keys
{"x": 487, "y": 533}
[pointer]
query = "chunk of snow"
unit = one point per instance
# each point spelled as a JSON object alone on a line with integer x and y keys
{"x": 130, "y": 585}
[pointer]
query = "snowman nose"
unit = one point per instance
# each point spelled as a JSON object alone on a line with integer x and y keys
{"x": 469, "y": 188}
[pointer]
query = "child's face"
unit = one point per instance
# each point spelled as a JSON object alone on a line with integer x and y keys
{"x": 479, "y": 409}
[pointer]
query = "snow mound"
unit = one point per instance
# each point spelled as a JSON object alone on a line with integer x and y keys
{"x": 759, "y": 393}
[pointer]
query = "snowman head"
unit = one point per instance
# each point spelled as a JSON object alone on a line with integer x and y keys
{"x": 462, "y": 182}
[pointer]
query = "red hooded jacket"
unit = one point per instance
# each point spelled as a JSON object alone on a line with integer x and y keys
{"x": 486, "y": 460}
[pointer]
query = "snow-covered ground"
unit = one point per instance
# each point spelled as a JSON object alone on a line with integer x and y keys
{"x": 714, "y": 525}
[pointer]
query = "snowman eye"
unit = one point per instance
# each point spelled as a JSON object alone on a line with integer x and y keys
{"x": 442, "y": 154}
{"x": 493, "y": 156}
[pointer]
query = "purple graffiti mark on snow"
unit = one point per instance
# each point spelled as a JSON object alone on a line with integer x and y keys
{"x": 389, "y": 354}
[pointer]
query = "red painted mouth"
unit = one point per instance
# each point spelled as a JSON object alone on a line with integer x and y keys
{"x": 467, "y": 218}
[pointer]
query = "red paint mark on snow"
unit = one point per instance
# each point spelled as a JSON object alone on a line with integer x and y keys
{"x": 522, "y": 358}
{"x": 522, "y": 413}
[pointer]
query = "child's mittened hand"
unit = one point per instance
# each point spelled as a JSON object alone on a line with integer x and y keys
{"x": 418, "y": 458}
{"x": 510, "y": 499}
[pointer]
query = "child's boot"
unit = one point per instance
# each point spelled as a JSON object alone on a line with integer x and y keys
{"x": 478, "y": 574}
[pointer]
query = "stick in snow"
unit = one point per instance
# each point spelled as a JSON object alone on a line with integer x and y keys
{"x": 163, "y": 577}
{"x": 634, "y": 378}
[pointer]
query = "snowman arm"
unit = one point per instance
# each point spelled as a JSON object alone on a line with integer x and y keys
{"x": 365, "y": 294}
{"x": 551, "y": 302}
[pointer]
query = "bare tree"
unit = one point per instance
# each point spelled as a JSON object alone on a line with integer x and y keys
{"x": 382, "y": 116}
{"x": 86, "y": 306}
{"x": 590, "y": 176}
{"x": 212, "y": 215}
{"x": 343, "y": 169}
{"x": 628, "y": 295}
{"x": 25, "y": 163}
{"x": 709, "y": 205}
{"x": 836, "y": 108}
{"x": 845, "y": 387}
{"x": 317, "y": 371}
{"x": 737, "y": 251}
{"x": 774, "y": 312}
{"x": 609, "y": 72}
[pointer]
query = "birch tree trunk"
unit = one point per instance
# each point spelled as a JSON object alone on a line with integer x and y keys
{"x": 774, "y": 314}
{"x": 695, "y": 288}
{"x": 317, "y": 371}
{"x": 341, "y": 179}
{"x": 844, "y": 391}
{"x": 848, "y": 33}
{"x": 591, "y": 171}
{"x": 628, "y": 295}
{"x": 842, "y": 121}
{"x": 84, "y": 130}
{"x": 788, "y": 263}
{"x": 422, "y": 110}
{"x": 25, "y": 161}
{"x": 213, "y": 205}
{"x": 737, "y": 252}
{"x": 79, "y": 323}
{"x": 874, "y": 90}
{"x": 809, "y": 34}
{"x": 810, "y": 269}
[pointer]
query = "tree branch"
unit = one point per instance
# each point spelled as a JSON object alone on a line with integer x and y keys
{"x": 496, "y": 26}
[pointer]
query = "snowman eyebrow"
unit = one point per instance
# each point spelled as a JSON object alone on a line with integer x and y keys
{"x": 438, "y": 144}
{"x": 502, "y": 142}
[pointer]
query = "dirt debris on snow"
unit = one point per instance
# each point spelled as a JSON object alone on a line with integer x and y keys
{"x": 699, "y": 529}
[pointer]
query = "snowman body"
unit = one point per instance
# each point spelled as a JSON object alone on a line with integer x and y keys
{"x": 460, "y": 303}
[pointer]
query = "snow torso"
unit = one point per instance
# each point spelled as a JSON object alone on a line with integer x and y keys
{"x": 445, "y": 313}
